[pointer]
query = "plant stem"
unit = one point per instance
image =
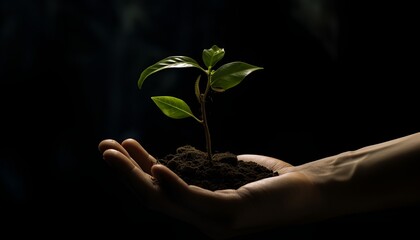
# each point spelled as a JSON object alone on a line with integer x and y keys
{"x": 203, "y": 99}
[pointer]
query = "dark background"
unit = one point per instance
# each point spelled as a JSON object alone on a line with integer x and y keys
{"x": 338, "y": 75}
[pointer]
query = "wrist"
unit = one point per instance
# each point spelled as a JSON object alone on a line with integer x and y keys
{"x": 372, "y": 178}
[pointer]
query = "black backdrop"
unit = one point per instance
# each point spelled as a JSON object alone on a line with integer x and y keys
{"x": 338, "y": 75}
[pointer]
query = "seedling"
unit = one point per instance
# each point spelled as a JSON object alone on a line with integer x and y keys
{"x": 218, "y": 80}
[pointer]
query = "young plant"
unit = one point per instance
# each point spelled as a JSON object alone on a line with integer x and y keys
{"x": 218, "y": 80}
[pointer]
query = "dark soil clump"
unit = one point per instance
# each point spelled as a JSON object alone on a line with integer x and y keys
{"x": 225, "y": 171}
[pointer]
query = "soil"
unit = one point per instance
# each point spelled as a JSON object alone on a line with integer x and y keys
{"x": 224, "y": 171}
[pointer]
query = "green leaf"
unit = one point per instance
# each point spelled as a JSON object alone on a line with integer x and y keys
{"x": 212, "y": 56}
{"x": 197, "y": 88}
{"x": 173, "y": 107}
{"x": 169, "y": 62}
{"x": 230, "y": 75}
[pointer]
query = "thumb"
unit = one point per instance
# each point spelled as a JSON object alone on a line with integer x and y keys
{"x": 168, "y": 180}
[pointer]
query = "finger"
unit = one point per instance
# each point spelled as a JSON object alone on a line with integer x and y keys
{"x": 138, "y": 180}
{"x": 118, "y": 160}
{"x": 139, "y": 154}
{"x": 192, "y": 197}
{"x": 111, "y": 144}
{"x": 173, "y": 194}
{"x": 179, "y": 191}
{"x": 168, "y": 180}
{"x": 151, "y": 190}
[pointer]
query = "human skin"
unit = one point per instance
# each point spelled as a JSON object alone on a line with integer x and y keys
{"x": 375, "y": 177}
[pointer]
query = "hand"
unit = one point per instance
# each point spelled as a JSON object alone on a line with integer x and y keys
{"x": 222, "y": 213}
{"x": 375, "y": 177}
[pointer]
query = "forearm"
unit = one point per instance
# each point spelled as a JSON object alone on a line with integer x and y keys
{"x": 372, "y": 178}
